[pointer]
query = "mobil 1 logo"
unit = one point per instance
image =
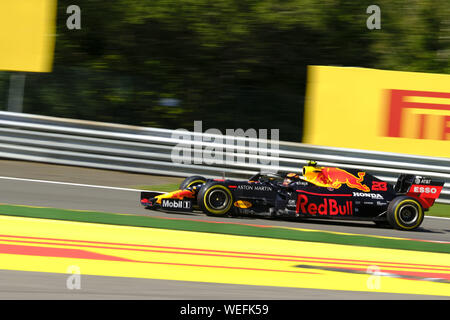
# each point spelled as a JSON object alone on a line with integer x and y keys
{"x": 176, "y": 204}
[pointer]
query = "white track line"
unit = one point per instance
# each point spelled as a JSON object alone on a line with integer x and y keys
{"x": 112, "y": 188}
{"x": 71, "y": 184}
{"x": 434, "y": 217}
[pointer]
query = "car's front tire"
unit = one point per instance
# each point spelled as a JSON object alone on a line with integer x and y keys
{"x": 215, "y": 200}
{"x": 405, "y": 213}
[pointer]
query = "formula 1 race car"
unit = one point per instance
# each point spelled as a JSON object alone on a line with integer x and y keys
{"x": 320, "y": 192}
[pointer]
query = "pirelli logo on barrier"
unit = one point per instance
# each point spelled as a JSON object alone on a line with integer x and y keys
{"x": 432, "y": 117}
{"x": 381, "y": 110}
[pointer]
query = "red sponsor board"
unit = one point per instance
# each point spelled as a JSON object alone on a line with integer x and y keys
{"x": 323, "y": 206}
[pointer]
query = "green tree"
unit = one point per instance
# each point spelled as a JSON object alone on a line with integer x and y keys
{"x": 230, "y": 63}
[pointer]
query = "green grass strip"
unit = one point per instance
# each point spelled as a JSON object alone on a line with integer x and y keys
{"x": 439, "y": 210}
{"x": 222, "y": 228}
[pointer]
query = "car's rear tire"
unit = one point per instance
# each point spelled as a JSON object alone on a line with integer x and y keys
{"x": 215, "y": 200}
{"x": 405, "y": 213}
{"x": 190, "y": 181}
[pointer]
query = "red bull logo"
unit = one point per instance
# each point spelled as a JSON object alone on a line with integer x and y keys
{"x": 328, "y": 206}
{"x": 334, "y": 178}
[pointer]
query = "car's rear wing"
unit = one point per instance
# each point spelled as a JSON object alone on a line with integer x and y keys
{"x": 424, "y": 189}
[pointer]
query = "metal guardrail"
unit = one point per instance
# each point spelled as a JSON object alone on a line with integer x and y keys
{"x": 149, "y": 150}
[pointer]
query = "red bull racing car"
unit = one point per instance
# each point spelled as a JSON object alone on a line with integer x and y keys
{"x": 319, "y": 192}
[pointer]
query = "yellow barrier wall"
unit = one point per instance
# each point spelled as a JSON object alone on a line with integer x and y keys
{"x": 27, "y": 35}
{"x": 402, "y": 112}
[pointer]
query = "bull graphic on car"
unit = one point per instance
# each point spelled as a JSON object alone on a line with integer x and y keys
{"x": 334, "y": 178}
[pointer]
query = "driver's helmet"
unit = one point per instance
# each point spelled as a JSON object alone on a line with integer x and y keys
{"x": 290, "y": 177}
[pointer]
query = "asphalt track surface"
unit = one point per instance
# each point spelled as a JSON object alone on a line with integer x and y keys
{"x": 121, "y": 197}
{"x": 50, "y": 286}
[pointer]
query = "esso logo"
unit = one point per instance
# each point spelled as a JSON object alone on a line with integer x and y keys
{"x": 425, "y": 190}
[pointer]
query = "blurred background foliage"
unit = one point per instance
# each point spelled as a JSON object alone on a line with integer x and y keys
{"x": 230, "y": 63}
